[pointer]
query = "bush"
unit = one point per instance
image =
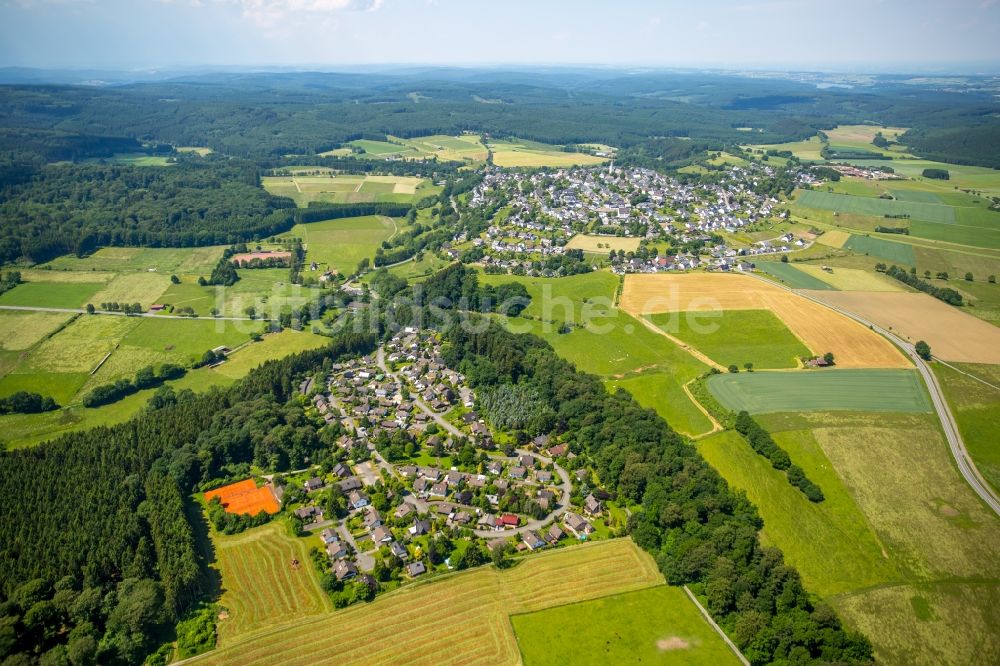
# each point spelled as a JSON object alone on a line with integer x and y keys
{"x": 23, "y": 402}
{"x": 937, "y": 174}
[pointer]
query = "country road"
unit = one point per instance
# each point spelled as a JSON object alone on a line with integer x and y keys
{"x": 33, "y": 308}
{"x": 964, "y": 462}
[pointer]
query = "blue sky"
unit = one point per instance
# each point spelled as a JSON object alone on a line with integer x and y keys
{"x": 874, "y": 35}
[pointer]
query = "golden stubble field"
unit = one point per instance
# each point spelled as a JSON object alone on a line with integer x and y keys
{"x": 819, "y": 328}
{"x": 462, "y": 618}
{"x": 952, "y": 334}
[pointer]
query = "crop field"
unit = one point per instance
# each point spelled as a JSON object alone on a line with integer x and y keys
{"x": 879, "y": 207}
{"x": 463, "y": 148}
{"x": 523, "y": 153}
{"x": 807, "y": 150}
{"x": 21, "y": 330}
{"x": 338, "y": 188}
{"x": 851, "y": 279}
{"x": 791, "y": 275}
{"x": 260, "y": 586}
{"x": 953, "y": 335}
{"x": 602, "y": 244}
{"x": 658, "y": 625}
{"x": 964, "y": 177}
{"x": 736, "y": 337}
{"x": 893, "y": 252}
{"x": 341, "y": 244}
{"x": 460, "y": 618}
{"x": 51, "y": 294}
{"x": 822, "y": 390}
{"x": 245, "y": 497}
{"x": 819, "y": 328}
{"x": 975, "y": 406}
{"x": 963, "y": 234}
{"x": 192, "y": 260}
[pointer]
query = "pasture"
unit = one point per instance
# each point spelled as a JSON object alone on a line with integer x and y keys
{"x": 791, "y": 275}
{"x": 20, "y": 330}
{"x": 524, "y": 153}
{"x": 341, "y": 188}
{"x": 819, "y": 328}
{"x": 975, "y": 406}
{"x": 736, "y": 337}
{"x": 658, "y": 625}
{"x": 341, "y": 244}
{"x": 844, "y": 203}
{"x": 260, "y": 586}
{"x": 602, "y": 244}
{"x": 458, "y": 618}
{"x": 273, "y": 346}
{"x": 661, "y": 392}
{"x": 189, "y": 260}
{"x": 821, "y": 390}
{"x": 51, "y": 294}
{"x": 143, "y": 288}
{"x": 953, "y": 334}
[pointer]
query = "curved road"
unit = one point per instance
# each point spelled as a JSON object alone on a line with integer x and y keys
{"x": 951, "y": 432}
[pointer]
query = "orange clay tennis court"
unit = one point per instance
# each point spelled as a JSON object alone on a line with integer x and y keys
{"x": 819, "y": 328}
{"x": 245, "y": 497}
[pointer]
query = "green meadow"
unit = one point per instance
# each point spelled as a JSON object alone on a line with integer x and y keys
{"x": 976, "y": 405}
{"x": 658, "y": 625}
{"x": 893, "y": 252}
{"x": 736, "y": 337}
{"x": 52, "y": 294}
{"x": 821, "y": 390}
{"x": 878, "y": 207}
{"x": 340, "y": 244}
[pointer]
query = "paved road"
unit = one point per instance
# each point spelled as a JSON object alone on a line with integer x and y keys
{"x": 955, "y": 443}
{"x": 33, "y": 308}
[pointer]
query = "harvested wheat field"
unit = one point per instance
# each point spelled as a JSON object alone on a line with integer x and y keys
{"x": 820, "y": 329}
{"x": 245, "y": 497}
{"x": 461, "y": 618}
{"x": 952, "y": 334}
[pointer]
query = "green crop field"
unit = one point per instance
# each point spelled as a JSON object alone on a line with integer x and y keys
{"x": 975, "y": 406}
{"x": 975, "y": 236}
{"x": 898, "y": 253}
{"x": 659, "y": 625}
{"x": 736, "y": 336}
{"x": 51, "y": 294}
{"x": 822, "y": 390}
{"x": 791, "y": 276}
{"x": 341, "y": 244}
{"x": 260, "y": 586}
{"x": 20, "y": 330}
{"x": 878, "y": 207}
{"x": 458, "y": 618}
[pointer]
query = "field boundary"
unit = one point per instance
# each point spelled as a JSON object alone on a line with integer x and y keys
{"x": 718, "y": 629}
{"x": 680, "y": 343}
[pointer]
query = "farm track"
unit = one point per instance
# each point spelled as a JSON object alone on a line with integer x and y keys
{"x": 459, "y": 618}
{"x": 959, "y": 452}
{"x": 33, "y": 308}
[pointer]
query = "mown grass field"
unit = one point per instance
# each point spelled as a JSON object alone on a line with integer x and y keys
{"x": 51, "y": 294}
{"x": 460, "y": 618}
{"x": 852, "y": 279}
{"x": 821, "y": 390}
{"x": 662, "y": 392}
{"x": 901, "y": 547}
{"x": 879, "y": 207}
{"x": 339, "y": 188}
{"x": 341, "y": 244}
{"x": 658, "y": 625}
{"x": 524, "y": 153}
{"x": 193, "y": 260}
{"x": 976, "y": 407}
{"x": 790, "y": 275}
{"x": 142, "y": 288}
{"x": 260, "y": 586}
{"x": 736, "y": 336}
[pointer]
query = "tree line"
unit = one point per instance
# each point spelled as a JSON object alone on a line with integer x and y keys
{"x": 946, "y": 294}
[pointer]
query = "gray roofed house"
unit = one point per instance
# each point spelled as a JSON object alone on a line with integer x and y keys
{"x": 517, "y": 472}
{"x": 381, "y": 534}
{"x": 357, "y": 500}
{"x": 420, "y": 527}
{"x": 345, "y": 570}
{"x": 439, "y": 490}
{"x": 341, "y": 470}
{"x": 414, "y": 569}
{"x": 404, "y": 510}
{"x": 592, "y": 506}
{"x": 399, "y": 551}
{"x": 554, "y": 534}
{"x": 577, "y": 525}
{"x": 314, "y": 483}
{"x": 328, "y": 536}
{"x": 371, "y": 519}
{"x": 533, "y": 541}
{"x": 350, "y": 483}
{"x": 337, "y": 550}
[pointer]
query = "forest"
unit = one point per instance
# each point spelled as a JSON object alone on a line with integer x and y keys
{"x": 97, "y": 555}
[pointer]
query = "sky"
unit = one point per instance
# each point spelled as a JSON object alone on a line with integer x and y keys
{"x": 846, "y": 35}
